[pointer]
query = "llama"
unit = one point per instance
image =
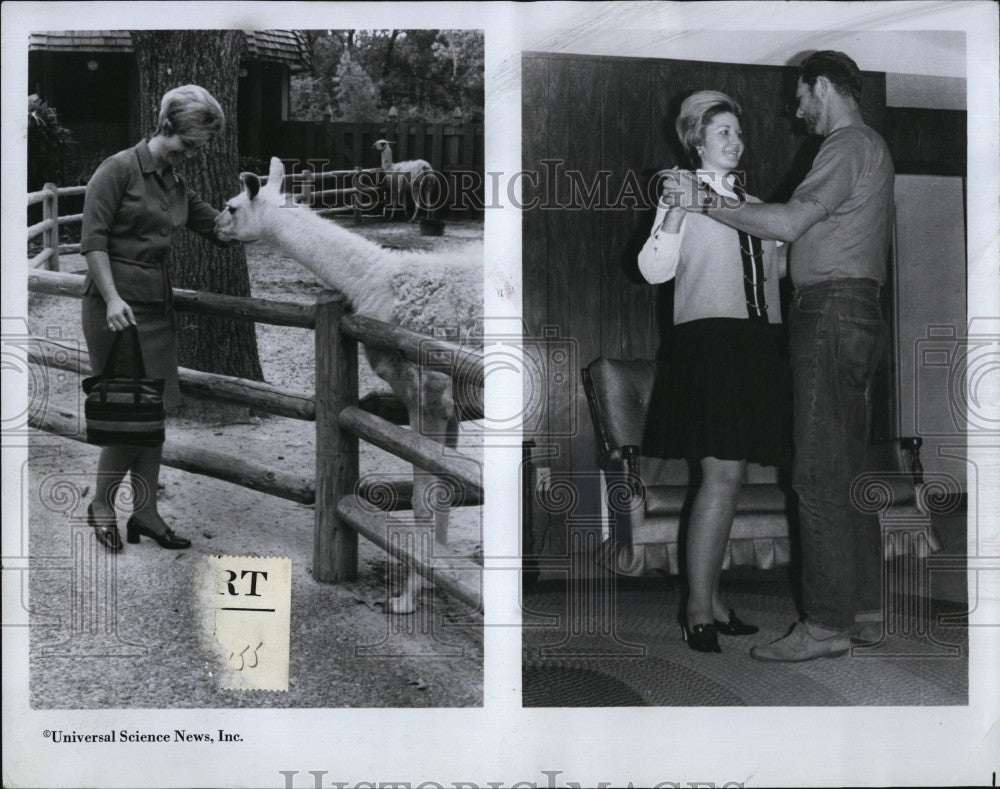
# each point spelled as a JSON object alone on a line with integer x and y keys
{"x": 416, "y": 290}
{"x": 411, "y": 178}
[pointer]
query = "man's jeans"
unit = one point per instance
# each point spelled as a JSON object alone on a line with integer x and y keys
{"x": 837, "y": 338}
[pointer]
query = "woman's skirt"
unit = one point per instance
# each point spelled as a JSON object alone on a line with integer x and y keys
{"x": 725, "y": 392}
{"x": 157, "y": 339}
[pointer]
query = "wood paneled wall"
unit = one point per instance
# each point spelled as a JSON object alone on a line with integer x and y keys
{"x": 927, "y": 142}
{"x": 614, "y": 115}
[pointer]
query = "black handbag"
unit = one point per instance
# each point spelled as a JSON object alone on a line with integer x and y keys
{"x": 124, "y": 410}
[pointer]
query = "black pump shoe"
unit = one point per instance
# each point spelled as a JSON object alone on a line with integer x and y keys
{"x": 166, "y": 540}
{"x": 107, "y": 534}
{"x": 701, "y": 638}
{"x": 735, "y": 626}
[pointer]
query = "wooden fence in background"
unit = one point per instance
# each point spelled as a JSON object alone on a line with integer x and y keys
{"x": 446, "y": 146}
{"x": 449, "y": 148}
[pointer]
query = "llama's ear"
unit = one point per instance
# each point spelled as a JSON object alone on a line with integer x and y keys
{"x": 276, "y": 175}
{"x": 251, "y": 183}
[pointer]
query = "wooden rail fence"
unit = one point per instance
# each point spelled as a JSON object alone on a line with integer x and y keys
{"x": 48, "y": 228}
{"x": 358, "y": 192}
{"x": 345, "y": 506}
{"x": 448, "y": 147}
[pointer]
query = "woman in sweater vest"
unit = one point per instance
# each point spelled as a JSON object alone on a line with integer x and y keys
{"x": 727, "y": 397}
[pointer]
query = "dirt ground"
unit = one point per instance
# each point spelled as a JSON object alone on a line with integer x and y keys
{"x": 142, "y": 649}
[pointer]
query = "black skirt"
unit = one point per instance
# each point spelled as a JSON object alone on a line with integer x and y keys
{"x": 725, "y": 392}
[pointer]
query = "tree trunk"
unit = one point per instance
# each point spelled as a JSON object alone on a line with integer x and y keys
{"x": 387, "y": 63}
{"x": 210, "y": 58}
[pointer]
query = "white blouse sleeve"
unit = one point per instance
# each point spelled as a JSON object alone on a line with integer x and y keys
{"x": 661, "y": 252}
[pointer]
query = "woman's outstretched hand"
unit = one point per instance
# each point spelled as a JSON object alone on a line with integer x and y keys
{"x": 671, "y": 190}
{"x": 687, "y": 187}
{"x": 119, "y": 315}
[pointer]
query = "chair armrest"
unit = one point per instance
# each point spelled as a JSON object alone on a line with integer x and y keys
{"x": 894, "y": 465}
{"x": 625, "y": 492}
{"x": 900, "y": 454}
{"x": 910, "y": 449}
{"x": 620, "y": 459}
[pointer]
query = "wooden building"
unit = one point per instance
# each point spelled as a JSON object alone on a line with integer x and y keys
{"x": 90, "y": 77}
{"x": 596, "y": 128}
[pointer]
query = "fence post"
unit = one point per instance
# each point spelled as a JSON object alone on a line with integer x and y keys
{"x": 355, "y": 199}
{"x": 335, "y": 544}
{"x": 307, "y": 182}
{"x": 50, "y": 210}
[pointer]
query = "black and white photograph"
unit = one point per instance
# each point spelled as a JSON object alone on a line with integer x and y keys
{"x": 752, "y": 448}
{"x": 302, "y": 160}
{"x": 448, "y": 394}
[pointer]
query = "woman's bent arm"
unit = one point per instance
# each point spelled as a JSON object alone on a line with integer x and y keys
{"x": 119, "y": 313}
{"x": 661, "y": 252}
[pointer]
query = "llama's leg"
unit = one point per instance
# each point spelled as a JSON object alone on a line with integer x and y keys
{"x": 419, "y": 192}
{"x": 429, "y": 502}
{"x": 391, "y": 196}
{"x": 390, "y": 200}
{"x": 399, "y": 203}
{"x": 395, "y": 372}
{"x": 428, "y": 400}
{"x": 386, "y": 195}
{"x": 450, "y": 441}
{"x": 406, "y": 601}
{"x": 414, "y": 196}
{"x": 399, "y": 199}
{"x": 437, "y": 421}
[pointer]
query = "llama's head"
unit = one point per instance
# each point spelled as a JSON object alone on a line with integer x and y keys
{"x": 384, "y": 147}
{"x": 242, "y": 218}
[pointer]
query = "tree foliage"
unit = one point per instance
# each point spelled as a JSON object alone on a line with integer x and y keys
{"x": 49, "y": 142}
{"x": 360, "y": 75}
{"x": 356, "y": 93}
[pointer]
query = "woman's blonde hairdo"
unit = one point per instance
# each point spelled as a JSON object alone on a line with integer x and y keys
{"x": 697, "y": 111}
{"x": 190, "y": 111}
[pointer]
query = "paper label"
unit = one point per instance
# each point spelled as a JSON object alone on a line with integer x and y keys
{"x": 246, "y": 606}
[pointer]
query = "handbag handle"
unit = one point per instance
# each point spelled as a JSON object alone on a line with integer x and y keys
{"x": 109, "y": 365}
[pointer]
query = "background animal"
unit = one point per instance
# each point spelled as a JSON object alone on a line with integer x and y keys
{"x": 405, "y": 182}
{"x": 421, "y": 291}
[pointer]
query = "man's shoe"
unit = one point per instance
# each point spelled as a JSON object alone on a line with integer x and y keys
{"x": 801, "y": 645}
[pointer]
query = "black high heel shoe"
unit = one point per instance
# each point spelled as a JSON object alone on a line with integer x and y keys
{"x": 166, "y": 540}
{"x": 106, "y": 534}
{"x": 735, "y": 626}
{"x": 701, "y": 638}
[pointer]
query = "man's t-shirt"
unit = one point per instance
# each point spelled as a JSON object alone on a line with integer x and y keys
{"x": 851, "y": 178}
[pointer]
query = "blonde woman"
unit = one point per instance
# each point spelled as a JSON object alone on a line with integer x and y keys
{"x": 726, "y": 401}
{"x": 135, "y": 203}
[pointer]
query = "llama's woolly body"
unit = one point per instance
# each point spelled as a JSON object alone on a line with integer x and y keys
{"x": 424, "y": 292}
{"x": 428, "y": 293}
{"x": 403, "y": 177}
